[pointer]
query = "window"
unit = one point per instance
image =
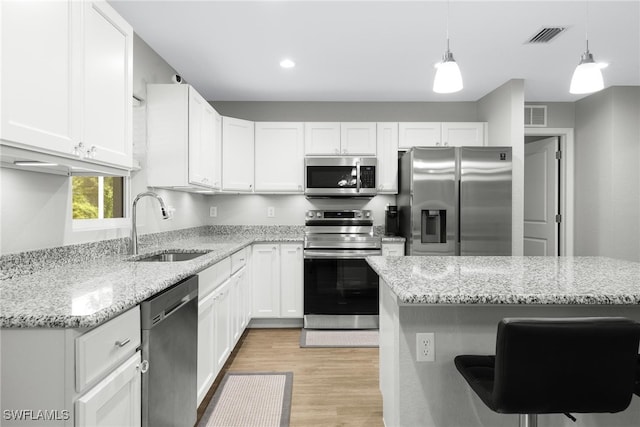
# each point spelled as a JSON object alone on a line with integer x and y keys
{"x": 98, "y": 201}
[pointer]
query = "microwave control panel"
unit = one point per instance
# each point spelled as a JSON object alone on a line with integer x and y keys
{"x": 368, "y": 176}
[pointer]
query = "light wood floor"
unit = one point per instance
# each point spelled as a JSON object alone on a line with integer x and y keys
{"x": 331, "y": 386}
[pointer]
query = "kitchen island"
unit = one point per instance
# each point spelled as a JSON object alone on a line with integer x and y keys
{"x": 461, "y": 300}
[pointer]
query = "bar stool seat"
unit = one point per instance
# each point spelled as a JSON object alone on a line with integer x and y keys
{"x": 556, "y": 365}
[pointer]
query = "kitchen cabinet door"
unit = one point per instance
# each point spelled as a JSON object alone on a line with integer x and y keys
{"x": 237, "y": 155}
{"x": 235, "y": 306}
{"x": 217, "y": 151}
{"x": 419, "y": 134}
{"x": 321, "y": 138}
{"x": 291, "y": 280}
{"x": 222, "y": 324}
{"x": 358, "y": 139}
{"x": 393, "y": 249}
{"x": 463, "y": 134}
{"x": 266, "y": 280}
{"x": 206, "y": 369}
{"x": 107, "y": 90}
{"x": 387, "y": 170}
{"x": 279, "y": 157}
{"x": 41, "y": 58}
{"x": 202, "y": 128}
{"x": 114, "y": 401}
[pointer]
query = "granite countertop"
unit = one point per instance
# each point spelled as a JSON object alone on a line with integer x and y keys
{"x": 85, "y": 294}
{"x": 510, "y": 280}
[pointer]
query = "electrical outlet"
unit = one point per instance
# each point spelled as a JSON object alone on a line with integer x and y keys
{"x": 271, "y": 212}
{"x": 426, "y": 347}
{"x": 213, "y": 211}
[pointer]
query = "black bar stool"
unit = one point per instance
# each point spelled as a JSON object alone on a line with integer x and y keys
{"x": 563, "y": 365}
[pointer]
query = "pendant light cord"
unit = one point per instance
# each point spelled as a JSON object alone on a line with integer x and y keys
{"x": 586, "y": 26}
{"x": 447, "y": 25}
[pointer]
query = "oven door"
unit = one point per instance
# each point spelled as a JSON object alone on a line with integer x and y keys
{"x": 339, "y": 282}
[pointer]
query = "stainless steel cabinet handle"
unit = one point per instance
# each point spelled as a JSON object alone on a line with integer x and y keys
{"x": 143, "y": 367}
{"x": 123, "y": 342}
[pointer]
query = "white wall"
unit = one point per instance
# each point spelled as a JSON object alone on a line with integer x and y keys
{"x": 504, "y": 110}
{"x": 607, "y": 181}
{"x": 36, "y": 207}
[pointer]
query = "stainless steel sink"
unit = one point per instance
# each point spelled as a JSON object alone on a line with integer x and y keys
{"x": 171, "y": 256}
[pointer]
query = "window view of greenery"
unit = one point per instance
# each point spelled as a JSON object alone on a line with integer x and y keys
{"x": 97, "y": 197}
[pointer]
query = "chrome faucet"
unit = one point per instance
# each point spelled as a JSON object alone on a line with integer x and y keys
{"x": 134, "y": 231}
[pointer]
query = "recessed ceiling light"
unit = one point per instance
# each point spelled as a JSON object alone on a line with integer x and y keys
{"x": 287, "y": 63}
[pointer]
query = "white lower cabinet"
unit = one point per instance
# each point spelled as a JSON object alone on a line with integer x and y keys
{"x": 277, "y": 280}
{"x": 79, "y": 377}
{"x": 222, "y": 315}
{"x": 392, "y": 249}
{"x": 116, "y": 400}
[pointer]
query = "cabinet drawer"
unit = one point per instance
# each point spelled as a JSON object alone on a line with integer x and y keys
{"x": 212, "y": 277}
{"x": 238, "y": 260}
{"x": 101, "y": 349}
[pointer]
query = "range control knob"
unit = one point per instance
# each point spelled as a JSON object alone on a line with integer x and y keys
{"x": 358, "y": 214}
{"x": 310, "y": 214}
{"x": 319, "y": 214}
{"x": 368, "y": 214}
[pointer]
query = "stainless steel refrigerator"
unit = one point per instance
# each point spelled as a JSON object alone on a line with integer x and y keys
{"x": 456, "y": 200}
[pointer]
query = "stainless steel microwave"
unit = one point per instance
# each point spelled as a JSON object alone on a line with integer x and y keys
{"x": 340, "y": 176}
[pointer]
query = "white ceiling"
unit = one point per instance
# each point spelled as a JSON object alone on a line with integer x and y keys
{"x": 383, "y": 50}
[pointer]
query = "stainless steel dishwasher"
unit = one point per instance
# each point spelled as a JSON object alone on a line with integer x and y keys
{"x": 169, "y": 342}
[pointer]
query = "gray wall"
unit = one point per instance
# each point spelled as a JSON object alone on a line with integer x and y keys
{"x": 503, "y": 109}
{"x": 607, "y": 194}
{"x": 350, "y": 111}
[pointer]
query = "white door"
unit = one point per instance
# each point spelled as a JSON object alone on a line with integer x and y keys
{"x": 541, "y": 197}
{"x": 321, "y": 138}
{"x": 201, "y": 140}
{"x": 266, "y": 280}
{"x": 217, "y": 151}
{"x": 358, "y": 139}
{"x": 279, "y": 157}
{"x": 114, "y": 401}
{"x": 40, "y": 65}
{"x": 206, "y": 369}
{"x": 419, "y": 134}
{"x": 107, "y": 91}
{"x": 291, "y": 279}
{"x": 237, "y": 154}
{"x": 387, "y": 146}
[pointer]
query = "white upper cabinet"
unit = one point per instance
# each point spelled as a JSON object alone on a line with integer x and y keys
{"x": 279, "y": 157}
{"x": 217, "y": 151}
{"x": 182, "y": 129}
{"x": 419, "y": 134}
{"x": 463, "y": 134}
{"x": 335, "y": 138}
{"x": 387, "y": 170}
{"x": 237, "y": 155}
{"x": 322, "y": 138}
{"x": 434, "y": 134}
{"x": 67, "y": 80}
{"x": 358, "y": 139}
{"x": 107, "y": 90}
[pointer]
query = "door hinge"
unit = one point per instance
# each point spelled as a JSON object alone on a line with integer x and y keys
{"x": 558, "y": 218}
{"x": 558, "y": 155}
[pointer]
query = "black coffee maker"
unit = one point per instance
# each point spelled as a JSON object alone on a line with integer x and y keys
{"x": 391, "y": 221}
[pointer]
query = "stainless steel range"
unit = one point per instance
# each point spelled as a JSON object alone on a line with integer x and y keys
{"x": 340, "y": 289}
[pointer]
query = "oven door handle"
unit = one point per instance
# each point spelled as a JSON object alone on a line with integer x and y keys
{"x": 341, "y": 254}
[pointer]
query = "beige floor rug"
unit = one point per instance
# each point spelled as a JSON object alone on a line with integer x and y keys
{"x": 250, "y": 399}
{"x": 339, "y": 338}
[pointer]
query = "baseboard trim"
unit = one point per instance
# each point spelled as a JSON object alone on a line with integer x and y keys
{"x": 275, "y": 323}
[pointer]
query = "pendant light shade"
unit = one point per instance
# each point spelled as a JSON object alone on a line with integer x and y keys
{"x": 448, "y": 78}
{"x": 587, "y": 78}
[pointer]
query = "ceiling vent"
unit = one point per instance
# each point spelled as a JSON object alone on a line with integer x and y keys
{"x": 545, "y": 35}
{"x": 535, "y": 115}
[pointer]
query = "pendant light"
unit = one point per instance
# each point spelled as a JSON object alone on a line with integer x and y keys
{"x": 448, "y": 78}
{"x": 587, "y": 77}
